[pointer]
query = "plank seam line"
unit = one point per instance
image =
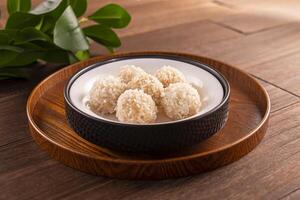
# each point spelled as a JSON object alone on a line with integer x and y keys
{"x": 86, "y": 189}
{"x": 284, "y": 107}
{"x": 204, "y": 20}
{"x": 222, "y": 4}
{"x": 226, "y": 26}
{"x": 275, "y": 85}
{"x": 268, "y": 28}
{"x": 275, "y": 59}
{"x": 289, "y": 193}
{"x": 291, "y": 142}
{"x": 279, "y": 134}
{"x": 17, "y": 94}
{"x": 24, "y": 140}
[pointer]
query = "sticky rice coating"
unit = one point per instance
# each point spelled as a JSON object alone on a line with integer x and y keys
{"x": 127, "y": 72}
{"x": 135, "y": 106}
{"x": 168, "y": 75}
{"x": 105, "y": 93}
{"x": 149, "y": 84}
{"x": 181, "y": 100}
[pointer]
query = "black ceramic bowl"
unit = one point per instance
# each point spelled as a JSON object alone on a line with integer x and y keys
{"x": 161, "y": 136}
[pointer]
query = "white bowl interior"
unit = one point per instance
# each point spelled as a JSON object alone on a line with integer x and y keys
{"x": 210, "y": 89}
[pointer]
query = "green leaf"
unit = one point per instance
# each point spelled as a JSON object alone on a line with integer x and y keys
{"x": 25, "y": 58}
{"x": 40, "y": 24}
{"x": 30, "y": 34}
{"x": 7, "y": 36}
{"x": 49, "y": 6}
{"x": 25, "y": 54}
{"x": 67, "y": 33}
{"x": 30, "y": 47}
{"x": 20, "y": 20}
{"x": 52, "y": 53}
{"x": 11, "y": 48}
{"x": 51, "y": 32}
{"x": 56, "y": 7}
{"x": 82, "y": 55}
{"x": 72, "y": 58}
{"x": 18, "y": 6}
{"x": 79, "y": 6}
{"x": 110, "y": 49}
{"x": 20, "y": 55}
{"x": 45, "y": 45}
{"x": 4, "y": 39}
{"x": 48, "y": 24}
{"x": 6, "y": 73}
{"x": 56, "y": 56}
{"x": 102, "y": 35}
{"x": 112, "y": 15}
{"x": 4, "y": 78}
{"x": 8, "y": 53}
{"x": 50, "y": 11}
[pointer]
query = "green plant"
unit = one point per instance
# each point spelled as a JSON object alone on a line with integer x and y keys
{"x": 51, "y": 32}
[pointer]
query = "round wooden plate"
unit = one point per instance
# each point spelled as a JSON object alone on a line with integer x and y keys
{"x": 246, "y": 126}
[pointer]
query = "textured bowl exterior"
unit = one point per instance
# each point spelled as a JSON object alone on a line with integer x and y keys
{"x": 148, "y": 139}
{"x": 152, "y": 138}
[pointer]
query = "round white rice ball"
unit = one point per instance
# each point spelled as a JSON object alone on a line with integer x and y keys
{"x": 149, "y": 84}
{"x": 135, "y": 106}
{"x": 127, "y": 72}
{"x": 168, "y": 75}
{"x": 181, "y": 100}
{"x": 105, "y": 93}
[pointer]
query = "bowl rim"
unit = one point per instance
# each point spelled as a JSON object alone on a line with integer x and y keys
{"x": 220, "y": 77}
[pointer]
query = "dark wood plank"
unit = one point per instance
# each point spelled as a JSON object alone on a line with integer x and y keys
{"x": 26, "y": 172}
{"x": 259, "y": 15}
{"x": 248, "y": 22}
{"x": 254, "y": 49}
{"x": 177, "y": 38}
{"x": 19, "y": 86}
{"x": 283, "y": 72}
{"x": 164, "y": 14}
{"x": 279, "y": 98}
{"x": 13, "y": 119}
{"x": 271, "y": 170}
{"x": 294, "y": 195}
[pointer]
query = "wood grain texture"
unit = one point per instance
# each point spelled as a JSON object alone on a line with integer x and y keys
{"x": 269, "y": 172}
{"x": 247, "y": 123}
{"x": 279, "y": 98}
{"x": 254, "y": 49}
{"x": 29, "y": 173}
{"x": 249, "y": 22}
{"x": 284, "y": 72}
{"x": 293, "y": 195}
{"x": 176, "y": 40}
{"x": 259, "y": 15}
{"x": 163, "y": 14}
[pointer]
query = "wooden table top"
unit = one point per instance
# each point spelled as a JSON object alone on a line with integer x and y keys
{"x": 260, "y": 37}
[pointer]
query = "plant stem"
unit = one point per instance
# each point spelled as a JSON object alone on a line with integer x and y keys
{"x": 83, "y": 20}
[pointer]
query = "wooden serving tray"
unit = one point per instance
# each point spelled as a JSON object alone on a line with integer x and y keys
{"x": 246, "y": 126}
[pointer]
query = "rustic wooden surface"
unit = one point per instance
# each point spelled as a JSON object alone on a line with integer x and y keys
{"x": 261, "y": 37}
{"x": 249, "y": 112}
